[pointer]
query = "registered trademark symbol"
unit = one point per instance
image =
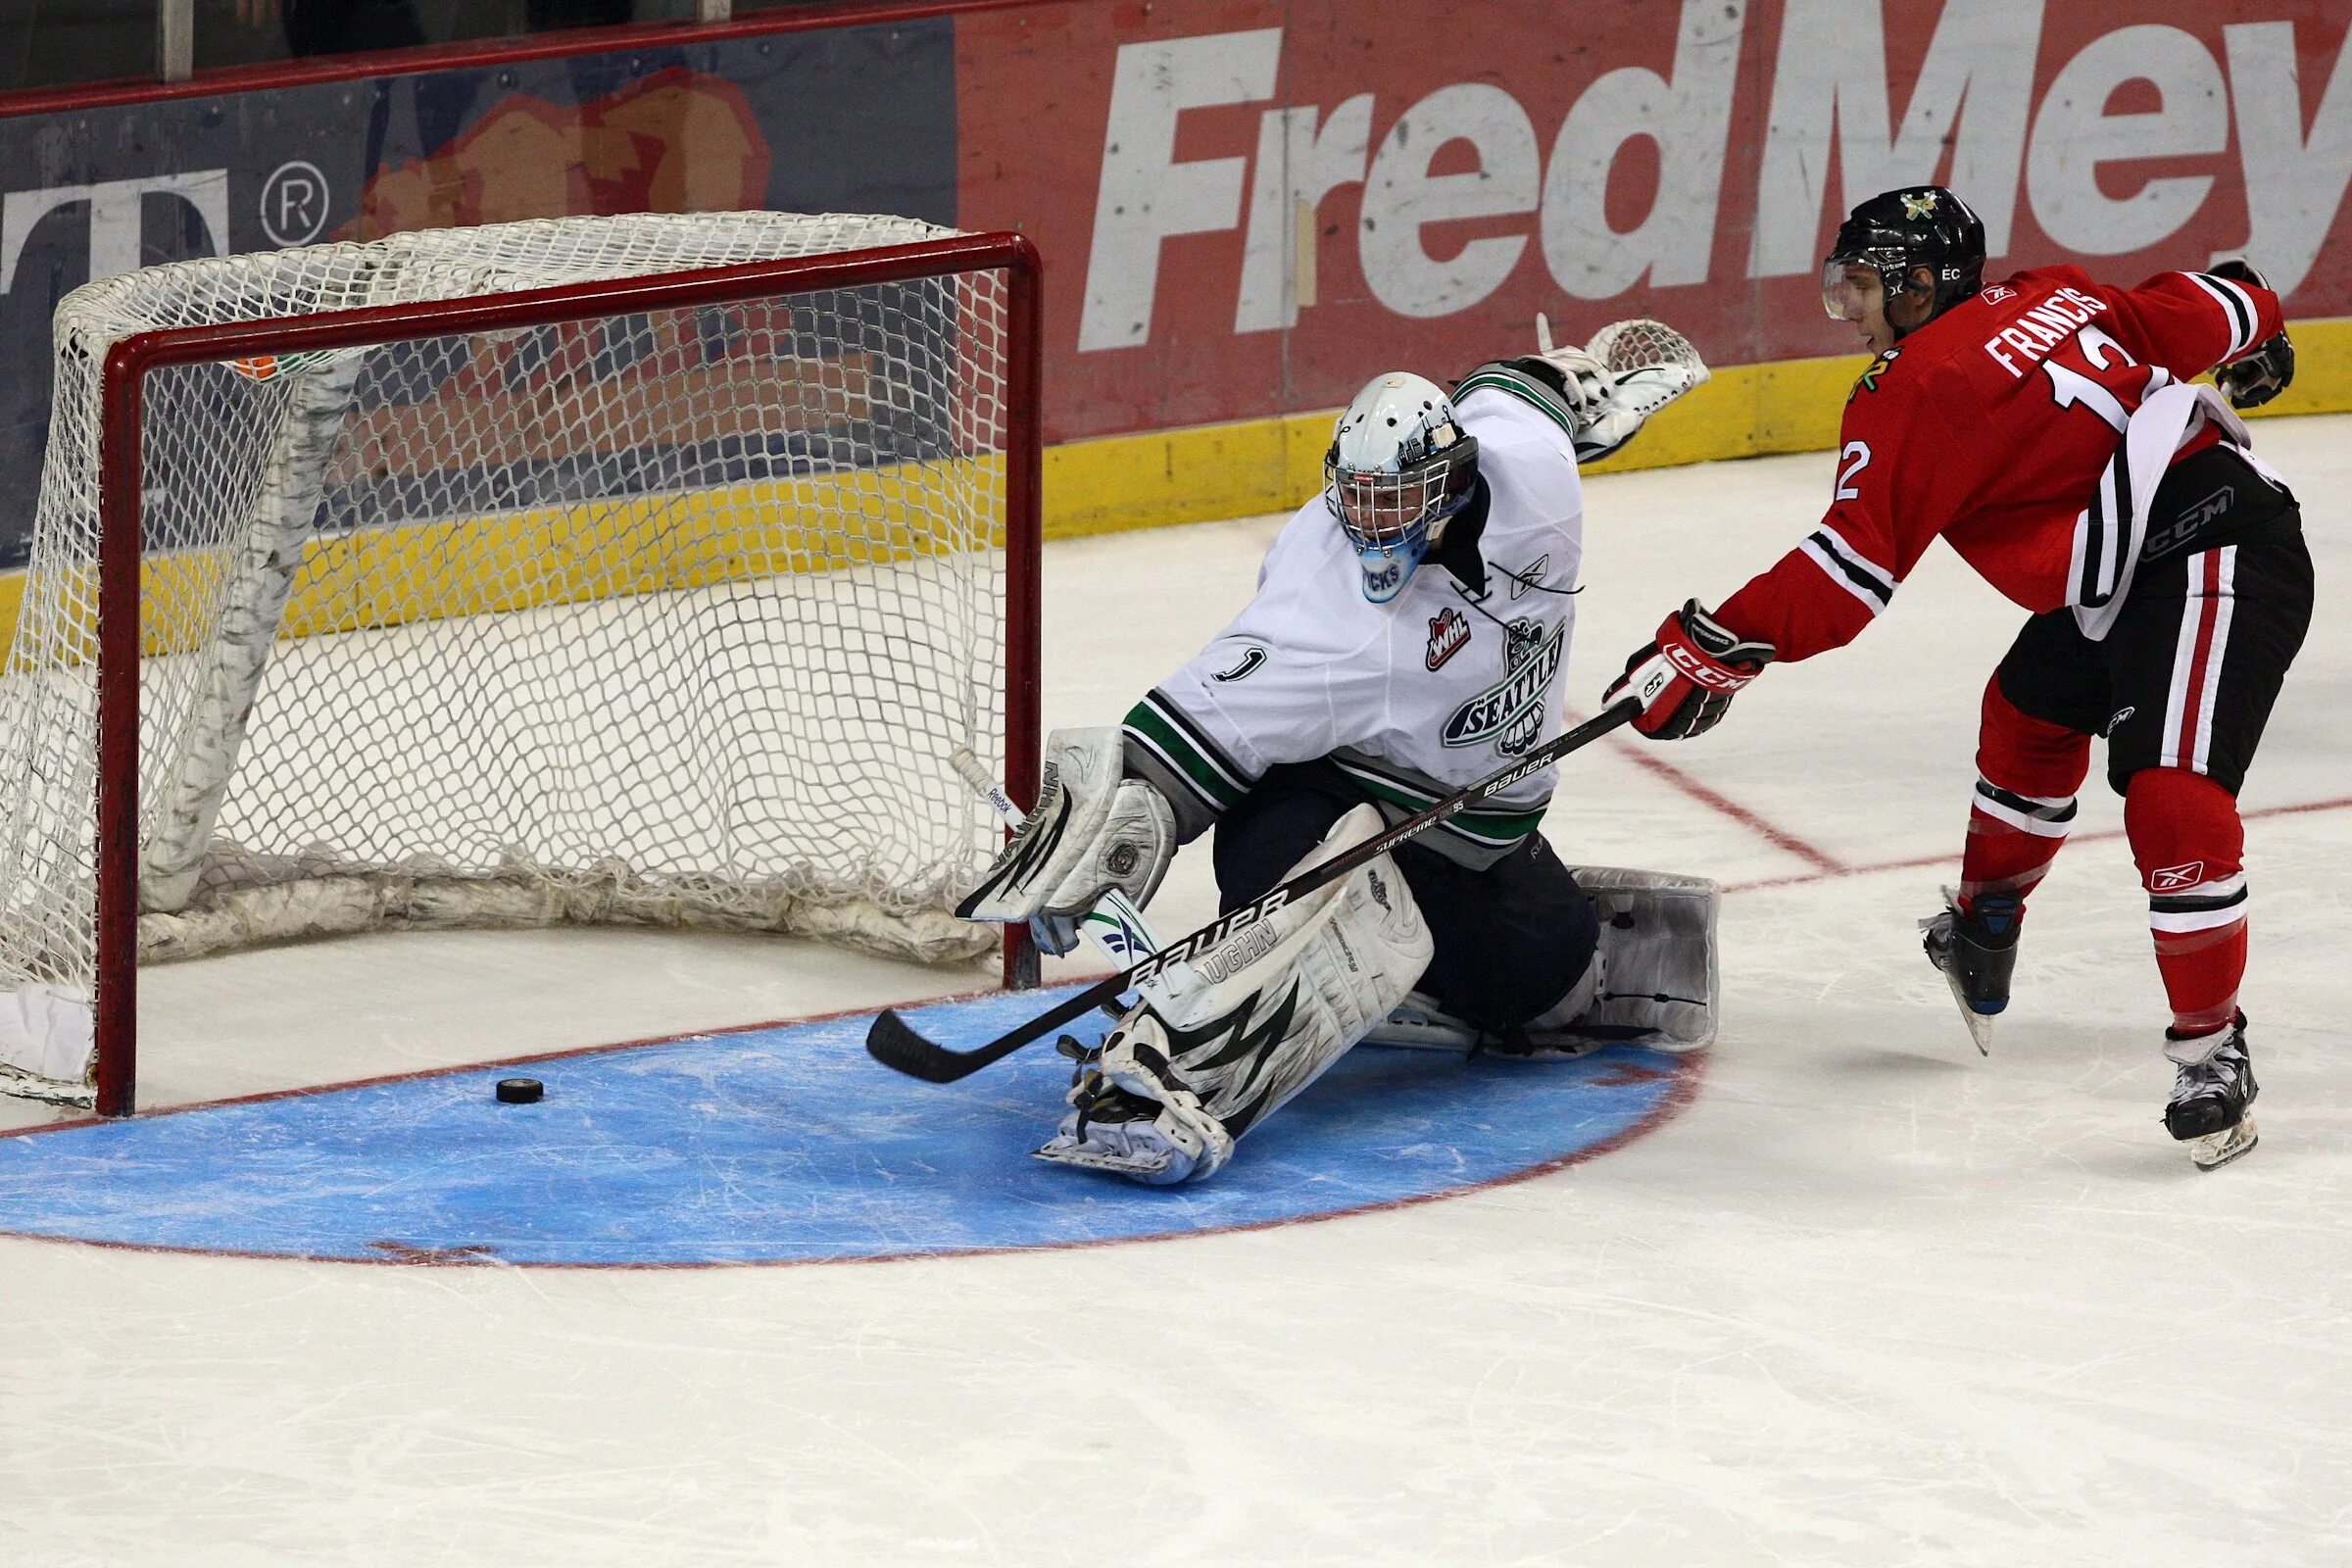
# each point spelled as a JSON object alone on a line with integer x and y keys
{"x": 294, "y": 204}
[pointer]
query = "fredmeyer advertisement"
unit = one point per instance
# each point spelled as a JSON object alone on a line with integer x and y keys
{"x": 1244, "y": 205}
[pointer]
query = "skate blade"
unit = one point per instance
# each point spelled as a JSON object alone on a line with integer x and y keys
{"x": 2216, "y": 1149}
{"x": 1980, "y": 1025}
{"x": 1420, "y": 1035}
{"x": 1150, "y": 1171}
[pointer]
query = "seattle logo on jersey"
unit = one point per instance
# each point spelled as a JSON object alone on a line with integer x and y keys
{"x": 1449, "y": 635}
{"x": 1511, "y": 713}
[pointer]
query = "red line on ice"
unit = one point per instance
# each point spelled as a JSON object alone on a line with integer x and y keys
{"x": 1825, "y": 864}
{"x": 1950, "y": 858}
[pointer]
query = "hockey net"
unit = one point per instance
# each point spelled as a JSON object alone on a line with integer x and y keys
{"x": 642, "y": 570}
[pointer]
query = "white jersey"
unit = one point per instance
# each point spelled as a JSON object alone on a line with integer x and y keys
{"x": 1411, "y": 700}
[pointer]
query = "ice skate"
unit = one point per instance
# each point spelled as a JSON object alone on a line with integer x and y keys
{"x": 2212, "y": 1084}
{"x": 1114, "y": 1129}
{"x": 1977, "y": 953}
{"x": 1421, "y": 1023}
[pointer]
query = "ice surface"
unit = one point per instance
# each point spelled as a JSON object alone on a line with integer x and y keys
{"x": 1869, "y": 1301}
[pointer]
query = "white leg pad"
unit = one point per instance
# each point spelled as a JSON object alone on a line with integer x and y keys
{"x": 1653, "y": 981}
{"x": 1222, "y": 1042}
{"x": 1660, "y": 985}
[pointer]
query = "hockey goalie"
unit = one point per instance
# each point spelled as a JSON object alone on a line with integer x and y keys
{"x": 1410, "y": 635}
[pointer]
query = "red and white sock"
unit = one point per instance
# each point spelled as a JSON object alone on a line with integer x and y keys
{"x": 2190, "y": 845}
{"x": 2027, "y": 771}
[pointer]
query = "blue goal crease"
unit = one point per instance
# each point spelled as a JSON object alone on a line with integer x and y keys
{"x": 785, "y": 1144}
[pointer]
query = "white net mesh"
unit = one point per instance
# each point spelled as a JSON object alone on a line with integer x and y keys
{"x": 671, "y": 616}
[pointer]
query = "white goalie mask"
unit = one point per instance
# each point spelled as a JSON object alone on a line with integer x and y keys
{"x": 1399, "y": 465}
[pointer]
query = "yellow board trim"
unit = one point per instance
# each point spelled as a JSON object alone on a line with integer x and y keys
{"x": 575, "y": 553}
{"x": 1110, "y": 485}
{"x": 1746, "y": 411}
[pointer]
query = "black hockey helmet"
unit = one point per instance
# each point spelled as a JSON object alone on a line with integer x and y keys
{"x": 1897, "y": 230}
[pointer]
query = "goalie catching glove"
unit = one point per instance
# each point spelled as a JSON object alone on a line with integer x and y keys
{"x": 1614, "y": 385}
{"x": 1092, "y": 830}
{"x": 1220, "y": 1042}
{"x": 1686, "y": 679}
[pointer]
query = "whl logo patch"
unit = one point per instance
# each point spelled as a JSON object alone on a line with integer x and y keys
{"x": 2176, "y": 878}
{"x": 1511, "y": 712}
{"x": 1449, "y": 635}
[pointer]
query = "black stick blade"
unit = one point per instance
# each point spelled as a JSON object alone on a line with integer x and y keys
{"x": 893, "y": 1042}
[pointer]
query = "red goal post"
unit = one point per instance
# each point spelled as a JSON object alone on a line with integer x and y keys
{"x": 130, "y": 362}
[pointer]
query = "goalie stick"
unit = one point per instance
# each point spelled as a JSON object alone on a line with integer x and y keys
{"x": 896, "y": 1044}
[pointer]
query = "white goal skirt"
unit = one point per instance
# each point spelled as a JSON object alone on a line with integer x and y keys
{"x": 669, "y": 615}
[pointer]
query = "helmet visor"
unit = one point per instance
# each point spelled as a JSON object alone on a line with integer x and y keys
{"x": 1378, "y": 509}
{"x": 1852, "y": 289}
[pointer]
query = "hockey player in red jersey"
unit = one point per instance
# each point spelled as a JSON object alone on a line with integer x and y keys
{"x": 2045, "y": 429}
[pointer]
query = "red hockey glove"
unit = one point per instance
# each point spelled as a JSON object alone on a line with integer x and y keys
{"x": 2268, "y": 369}
{"x": 1687, "y": 677}
{"x": 2256, "y": 378}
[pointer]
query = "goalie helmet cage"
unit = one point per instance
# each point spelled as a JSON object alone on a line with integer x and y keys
{"x": 907, "y": 484}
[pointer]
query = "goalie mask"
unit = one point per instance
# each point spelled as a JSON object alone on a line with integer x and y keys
{"x": 1399, "y": 465}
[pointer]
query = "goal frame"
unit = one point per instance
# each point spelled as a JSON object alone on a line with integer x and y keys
{"x": 122, "y": 526}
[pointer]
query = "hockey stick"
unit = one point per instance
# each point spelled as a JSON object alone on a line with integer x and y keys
{"x": 894, "y": 1042}
{"x": 1118, "y": 929}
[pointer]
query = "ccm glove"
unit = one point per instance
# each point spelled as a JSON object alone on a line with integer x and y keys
{"x": 2260, "y": 377}
{"x": 2270, "y": 369}
{"x": 1686, "y": 679}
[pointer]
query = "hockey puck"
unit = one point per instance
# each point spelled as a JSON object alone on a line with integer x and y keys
{"x": 519, "y": 1090}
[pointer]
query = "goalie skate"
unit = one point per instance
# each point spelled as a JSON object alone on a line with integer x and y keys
{"x": 1111, "y": 1128}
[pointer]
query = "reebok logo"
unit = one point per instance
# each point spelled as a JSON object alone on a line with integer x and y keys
{"x": 2176, "y": 878}
{"x": 1532, "y": 579}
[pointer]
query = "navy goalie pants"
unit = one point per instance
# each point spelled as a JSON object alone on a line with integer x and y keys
{"x": 1510, "y": 940}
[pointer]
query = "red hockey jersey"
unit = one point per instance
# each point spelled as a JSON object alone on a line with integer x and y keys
{"x": 1991, "y": 426}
